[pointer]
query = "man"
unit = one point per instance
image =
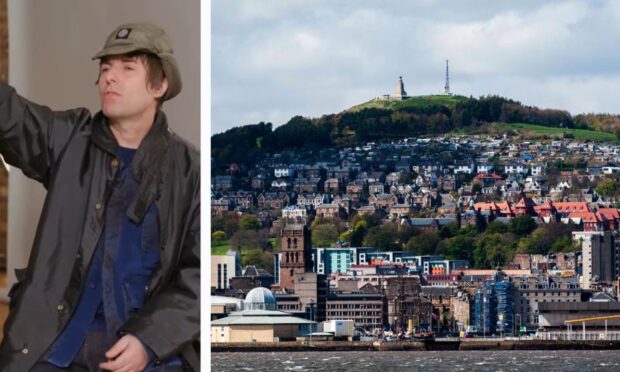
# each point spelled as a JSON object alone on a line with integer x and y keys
{"x": 112, "y": 282}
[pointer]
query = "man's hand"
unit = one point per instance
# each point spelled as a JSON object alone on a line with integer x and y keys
{"x": 127, "y": 355}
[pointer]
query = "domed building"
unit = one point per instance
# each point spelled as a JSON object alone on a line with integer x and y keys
{"x": 260, "y": 298}
{"x": 259, "y": 322}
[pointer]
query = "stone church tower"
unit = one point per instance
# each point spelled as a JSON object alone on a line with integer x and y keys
{"x": 295, "y": 253}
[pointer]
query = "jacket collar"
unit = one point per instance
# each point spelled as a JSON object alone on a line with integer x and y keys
{"x": 149, "y": 163}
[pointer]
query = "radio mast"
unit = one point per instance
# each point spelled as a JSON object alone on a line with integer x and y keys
{"x": 447, "y": 87}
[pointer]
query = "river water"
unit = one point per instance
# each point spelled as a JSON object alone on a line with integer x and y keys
{"x": 436, "y": 361}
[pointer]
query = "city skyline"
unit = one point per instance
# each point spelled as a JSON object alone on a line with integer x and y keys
{"x": 273, "y": 60}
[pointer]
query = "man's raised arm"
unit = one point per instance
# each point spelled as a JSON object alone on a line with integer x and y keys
{"x": 32, "y": 136}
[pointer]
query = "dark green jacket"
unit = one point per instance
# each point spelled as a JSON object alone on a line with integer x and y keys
{"x": 73, "y": 154}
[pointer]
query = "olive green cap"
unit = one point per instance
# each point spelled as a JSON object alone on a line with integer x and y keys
{"x": 148, "y": 38}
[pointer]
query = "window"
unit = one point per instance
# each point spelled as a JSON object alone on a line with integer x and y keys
{"x": 225, "y": 275}
{"x": 219, "y": 276}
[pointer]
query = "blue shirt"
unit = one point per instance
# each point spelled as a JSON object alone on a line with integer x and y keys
{"x": 122, "y": 265}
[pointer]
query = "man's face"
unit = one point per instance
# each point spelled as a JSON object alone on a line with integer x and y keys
{"x": 123, "y": 88}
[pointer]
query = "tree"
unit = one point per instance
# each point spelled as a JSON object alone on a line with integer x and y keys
{"x": 346, "y": 237}
{"x": 522, "y": 225}
{"x": 423, "y": 244}
{"x": 229, "y": 223}
{"x": 468, "y": 230}
{"x": 449, "y": 230}
{"x": 564, "y": 244}
{"x": 258, "y": 257}
{"x": 218, "y": 237}
{"x": 249, "y": 239}
{"x": 460, "y": 247}
{"x": 383, "y": 237}
{"x": 358, "y": 234}
{"x": 249, "y": 222}
{"x": 494, "y": 250}
{"x": 537, "y": 243}
{"x": 405, "y": 232}
{"x": 608, "y": 188}
{"x": 370, "y": 220}
{"x": 324, "y": 235}
{"x": 496, "y": 227}
{"x": 407, "y": 178}
{"x": 337, "y": 223}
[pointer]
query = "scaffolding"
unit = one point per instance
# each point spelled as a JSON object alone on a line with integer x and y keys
{"x": 494, "y": 307}
{"x": 505, "y": 307}
{"x": 485, "y": 309}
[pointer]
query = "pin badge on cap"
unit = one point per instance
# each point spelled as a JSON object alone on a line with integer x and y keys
{"x": 123, "y": 33}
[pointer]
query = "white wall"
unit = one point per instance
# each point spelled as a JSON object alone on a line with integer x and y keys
{"x": 50, "y": 48}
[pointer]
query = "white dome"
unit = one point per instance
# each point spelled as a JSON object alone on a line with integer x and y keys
{"x": 260, "y": 299}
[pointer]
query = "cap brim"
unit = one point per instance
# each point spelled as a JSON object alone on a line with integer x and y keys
{"x": 119, "y": 49}
{"x": 173, "y": 74}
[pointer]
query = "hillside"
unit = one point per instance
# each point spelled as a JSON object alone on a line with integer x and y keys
{"x": 379, "y": 120}
{"x": 413, "y": 102}
{"x": 533, "y": 131}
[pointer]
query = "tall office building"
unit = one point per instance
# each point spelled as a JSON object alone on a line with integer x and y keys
{"x": 599, "y": 258}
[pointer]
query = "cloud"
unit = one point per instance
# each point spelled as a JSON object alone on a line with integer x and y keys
{"x": 272, "y": 59}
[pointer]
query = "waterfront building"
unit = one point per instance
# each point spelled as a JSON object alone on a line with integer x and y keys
{"x": 259, "y": 322}
{"x": 222, "y": 306}
{"x": 439, "y": 298}
{"x": 530, "y": 291}
{"x": 368, "y": 310}
{"x": 552, "y": 315}
{"x": 307, "y": 297}
{"x": 461, "y": 310}
{"x": 599, "y": 257}
{"x": 289, "y": 303}
{"x": 405, "y": 302}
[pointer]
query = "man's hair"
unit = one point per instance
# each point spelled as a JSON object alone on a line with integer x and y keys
{"x": 154, "y": 71}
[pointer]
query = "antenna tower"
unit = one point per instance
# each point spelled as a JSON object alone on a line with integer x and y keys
{"x": 447, "y": 87}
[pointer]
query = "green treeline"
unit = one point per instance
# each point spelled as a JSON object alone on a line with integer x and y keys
{"x": 245, "y": 144}
{"x": 492, "y": 246}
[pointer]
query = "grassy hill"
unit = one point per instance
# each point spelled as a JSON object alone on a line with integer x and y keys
{"x": 536, "y": 131}
{"x": 417, "y": 101}
{"x": 531, "y": 130}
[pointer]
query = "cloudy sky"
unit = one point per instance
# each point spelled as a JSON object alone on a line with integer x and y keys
{"x": 274, "y": 59}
